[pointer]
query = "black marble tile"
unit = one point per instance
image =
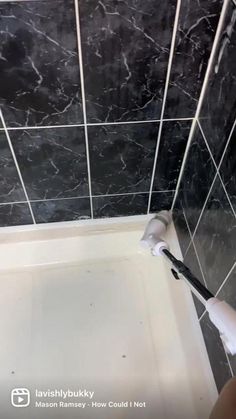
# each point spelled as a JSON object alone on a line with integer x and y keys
{"x": 174, "y": 137}
{"x": 39, "y": 72}
{"x": 15, "y": 214}
{"x": 219, "y": 105}
{"x": 192, "y": 263}
{"x": 199, "y": 306}
{"x": 125, "y": 55}
{"x": 161, "y": 201}
{"x": 215, "y": 238}
{"x": 181, "y": 227}
{"x": 216, "y": 353}
{"x": 121, "y": 157}
{"x": 10, "y": 185}
{"x": 61, "y": 210}
{"x": 228, "y": 169}
{"x": 120, "y": 205}
{"x": 228, "y": 291}
{"x": 232, "y": 361}
{"x": 196, "y": 30}
{"x": 52, "y": 161}
{"x": 197, "y": 178}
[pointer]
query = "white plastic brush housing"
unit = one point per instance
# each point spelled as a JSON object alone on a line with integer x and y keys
{"x": 154, "y": 231}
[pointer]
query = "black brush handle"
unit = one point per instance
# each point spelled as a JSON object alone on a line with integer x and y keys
{"x": 181, "y": 269}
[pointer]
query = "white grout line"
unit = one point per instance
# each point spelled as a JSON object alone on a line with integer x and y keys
{"x": 87, "y": 196}
{"x": 132, "y": 193}
{"x": 95, "y": 124}
{"x": 137, "y": 122}
{"x": 91, "y": 124}
{"x": 190, "y": 234}
{"x": 43, "y": 126}
{"x": 59, "y": 199}
{"x": 207, "y": 145}
{"x": 218, "y": 167}
{"x": 16, "y": 164}
{"x": 83, "y": 102}
{"x": 164, "y": 191}
{"x": 172, "y": 47}
{"x": 84, "y": 196}
{"x": 203, "y": 314}
{"x": 32, "y": 201}
{"x": 202, "y": 94}
{"x": 227, "y": 276}
{"x": 146, "y": 121}
{"x": 15, "y": 1}
{"x": 177, "y": 119}
{"x": 192, "y": 242}
{"x": 227, "y": 143}
{"x": 227, "y": 357}
{"x": 204, "y": 205}
{"x": 13, "y": 202}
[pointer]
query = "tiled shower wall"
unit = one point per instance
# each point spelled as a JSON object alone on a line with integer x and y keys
{"x": 97, "y": 102}
{"x": 205, "y": 209}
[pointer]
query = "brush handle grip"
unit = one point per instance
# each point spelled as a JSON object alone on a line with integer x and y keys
{"x": 223, "y": 316}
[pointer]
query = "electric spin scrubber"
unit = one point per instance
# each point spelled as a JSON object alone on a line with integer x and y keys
{"x": 222, "y": 315}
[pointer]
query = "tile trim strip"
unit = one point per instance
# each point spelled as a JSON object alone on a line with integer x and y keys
{"x": 171, "y": 55}
{"x": 202, "y": 94}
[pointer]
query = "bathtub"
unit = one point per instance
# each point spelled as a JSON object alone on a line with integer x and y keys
{"x": 85, "y": 310}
